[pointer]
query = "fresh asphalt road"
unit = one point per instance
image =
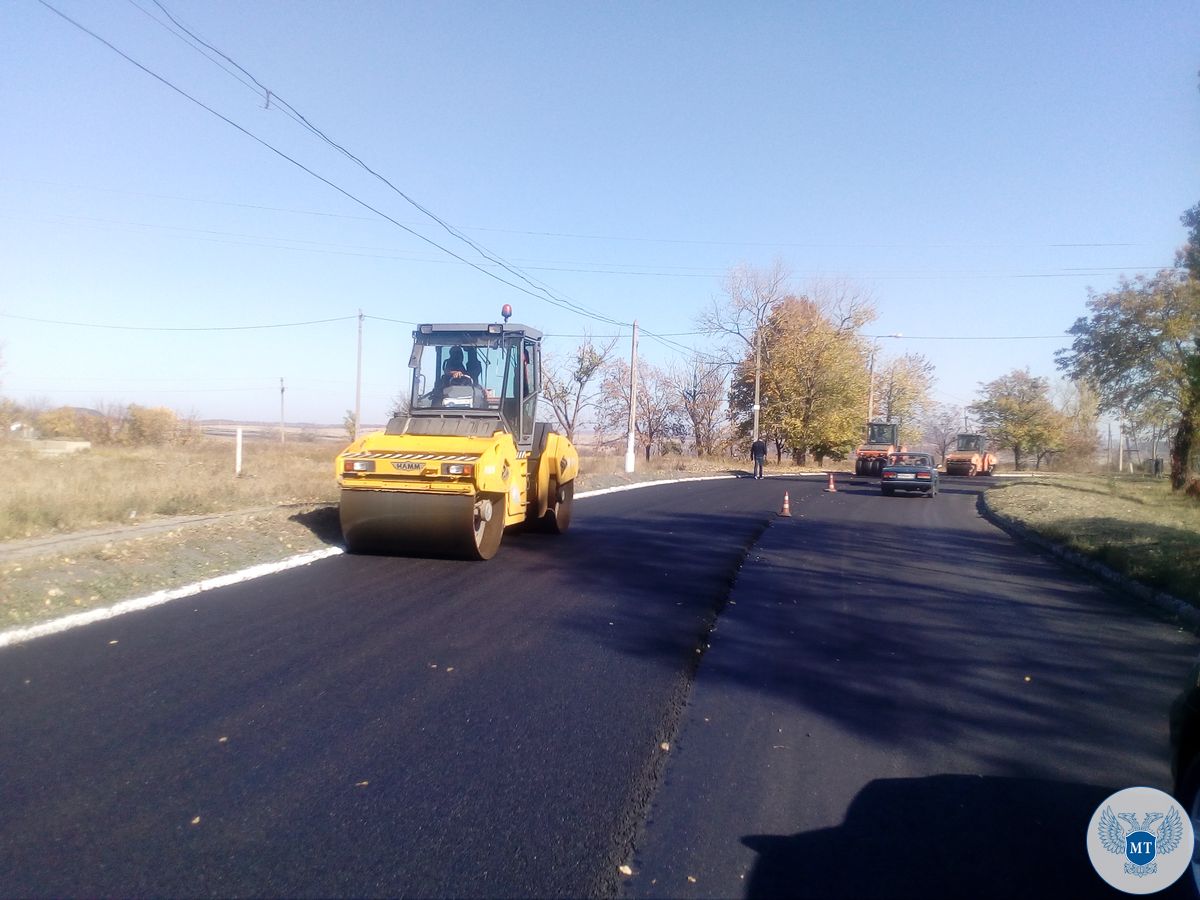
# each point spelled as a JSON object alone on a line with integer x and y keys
{"x": 902, "y": 701}
{"x": 374, "y": 725}
{"x": 405, "y": 727}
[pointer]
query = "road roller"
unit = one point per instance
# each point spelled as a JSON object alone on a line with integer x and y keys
{"x": 465, "y": 457}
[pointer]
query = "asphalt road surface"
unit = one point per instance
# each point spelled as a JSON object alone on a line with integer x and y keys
{"x": 901, "y": 701}
{"x": 406, "y": 727}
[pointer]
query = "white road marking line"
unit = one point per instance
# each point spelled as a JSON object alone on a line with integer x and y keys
{"x": 78, "y": 620}
{"x": 158, "y": 598}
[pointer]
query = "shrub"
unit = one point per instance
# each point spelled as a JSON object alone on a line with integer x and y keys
{"x": 150, "y": 427}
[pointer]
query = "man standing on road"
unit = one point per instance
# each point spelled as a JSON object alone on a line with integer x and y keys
{"x": 758, "y": 452}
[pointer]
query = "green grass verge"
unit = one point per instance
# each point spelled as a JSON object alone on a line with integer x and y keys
{"x": 1136, "y": 526}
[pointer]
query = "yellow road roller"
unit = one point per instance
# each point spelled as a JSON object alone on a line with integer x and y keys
{"x": 466, "y": 457}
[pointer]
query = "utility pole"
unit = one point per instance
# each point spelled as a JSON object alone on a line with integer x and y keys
{"x": 629, "y": 449}
{"x": 871, "y": 385}
{"x": 358, "y": 379}
{"x": 757, "y": 375}
{"x": 871, "y": 372}
{"x": 1121, "y": 443}
{"x": 281, "y": 410}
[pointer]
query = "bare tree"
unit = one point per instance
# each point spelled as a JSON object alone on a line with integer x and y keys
{"x": 741, "y": 315}
{"x": 941, "y": 425}
{"x": 570, "y": 386}
{"x": 750, "y": 295}
{"x": 401, "y": 405}
{"x": 658, "y": 413}
{"x": 701, "y": 386}
{"x": 1079, "y": 405}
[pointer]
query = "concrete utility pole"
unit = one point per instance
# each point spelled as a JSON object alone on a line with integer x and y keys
{"x": 1121, "y": 443}
{"x": 871, "y": 372}
{"x": 757, "y": 376}
{"x": 630, "y": 455}
{"x": 871, "y": 386}
{"x": 358, "y": 379}
{"x": 281, "y": 410}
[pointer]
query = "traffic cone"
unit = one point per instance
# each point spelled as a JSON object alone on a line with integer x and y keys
{"x": 832, "y": 489}
{"x": 787, "y": 509}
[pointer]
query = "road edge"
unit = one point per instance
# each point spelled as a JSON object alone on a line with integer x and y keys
{"x": 1185, "y": 613}
{"x": 77, "y": 620}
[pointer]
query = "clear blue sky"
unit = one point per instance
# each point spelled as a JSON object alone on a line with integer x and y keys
{"x": 975, "y": 166}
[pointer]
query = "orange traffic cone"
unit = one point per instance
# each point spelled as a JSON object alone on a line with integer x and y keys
{"x": 787, "y": 510}
{"x": 832, "y": 489}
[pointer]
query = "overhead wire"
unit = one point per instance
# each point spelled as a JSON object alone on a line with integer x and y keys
{"x": 300, "y": 118}
{"x": 367, "y": 252}
{"x": 547, "y": 298}
{"x": 282, "y": 243}
{"x": 113, "y": 327}
{"x": 535, "y": 289}
{"x": 584, "y": 236}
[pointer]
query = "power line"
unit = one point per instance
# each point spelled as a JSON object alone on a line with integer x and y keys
{"x": 632, "y": 269}
{"x": 587, "y": 236}
{"x": 972, "y": 337}
{"x": 173, "y": 328}
{"x": 565, "y": 304}
{"x": 297, "y": 116}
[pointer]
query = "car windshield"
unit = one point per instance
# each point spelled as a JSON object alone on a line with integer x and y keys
{"x": 912, "y": 459}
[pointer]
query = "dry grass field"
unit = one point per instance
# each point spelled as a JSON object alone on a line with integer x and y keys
{"x": 109, "y": 485}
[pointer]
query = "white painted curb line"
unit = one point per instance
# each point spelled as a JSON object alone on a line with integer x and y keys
{"x": 77, "y": 620}
{"x": 158, "y": 598}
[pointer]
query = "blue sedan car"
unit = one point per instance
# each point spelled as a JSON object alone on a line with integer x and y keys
{"x": 909, "y": 472}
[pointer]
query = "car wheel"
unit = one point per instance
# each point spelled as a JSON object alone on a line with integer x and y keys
{"x": 1189, "y": 798}
{"x": 887, "y": 491}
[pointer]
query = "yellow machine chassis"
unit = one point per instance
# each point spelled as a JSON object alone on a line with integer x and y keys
{"x": 414, "y": 500}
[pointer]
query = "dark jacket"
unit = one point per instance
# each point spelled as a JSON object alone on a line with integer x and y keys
{"x": 758, "y": 450}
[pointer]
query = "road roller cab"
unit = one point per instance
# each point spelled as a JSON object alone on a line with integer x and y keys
{"x": 467, "y": 458}
{"x": 970, "y": 456}
{"x": 883, "y": 440}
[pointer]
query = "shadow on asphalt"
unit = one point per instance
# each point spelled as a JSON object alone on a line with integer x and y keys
{"x": 942, "y": 836}
{"x": 664, "y": 575}
{"x": 957, "y": 635}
